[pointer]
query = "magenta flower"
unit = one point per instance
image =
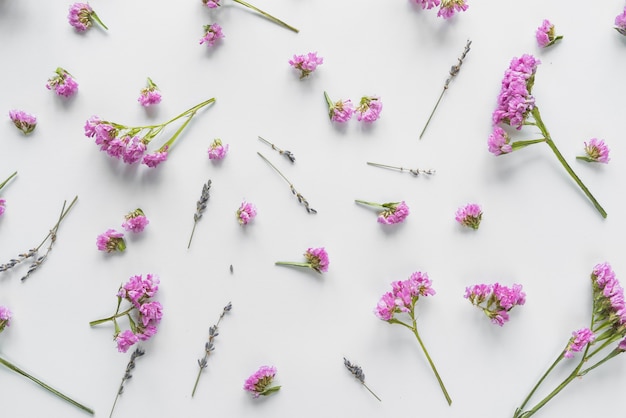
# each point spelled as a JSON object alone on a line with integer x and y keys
{"x": 499, "y": 142}
{"x": 125, "y": 340}
{"x": 428, "y": 4}
{"x": 620, "y": 22}
{"x": 469, "y": 215}
{"x": 2, "y": 206}
{"x": 449, "y": 7}
{"x": 369, "y": 109}
{"x": 23, "y": 121}
{"x": 259, "y": 383}
{"x": 579, "y": 340}
{"x": 211, "y": 4}
{"x": 393, "y": 213}
{"x": 217, "y": 151}
{"x": 149, "y": 95}
{"x": 495, "y": 300}
{"x": 306, "y": 63}
{"x": 546, "y": 35}
{"x": 5, "y": 317}
{"x": 212, "y": 33}
{"x": 340, "y": 111}
{"x": 82, "y": 16}
{"x": 111, "y": 241}
{"x": 63, "y": 83}
{"x": 316, "y": 259}
{"x": 608, "y": 295}
{"x": 135, "y": 221}
{"x": 156, "y": 158}
{"x": 246, "y": 213}
{"x": 597, "y": 152}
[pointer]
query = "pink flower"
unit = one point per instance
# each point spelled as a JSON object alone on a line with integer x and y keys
{"x": 608, "y": 295}
{"x": 147, "y": 333}
{"x": 469, "y": 215}
{"x": 149, "y": 95}
{"x": 82, "y": 16}
{"x": 515, "y": 101}
{"x": 259, "y": 382}
{"x": 150, "y": 313}
{"x": 156, "y": 158}
{"x": 404, "y": 295}
{"x": 212, "y": 33}
{"x": 135, "y": 221}
{"x": 111, "y": 241}
{"x": 340, "y": 111}
{"x": 63, "y": 83}
{"x": 306, "y": 63}
{"x": 579, "y": 340}
{"x": 499, "y": 142}
{"x": 318, "y": 259}
{"x": 597, "y": 151}
{"x": 395, "y": 213}
{"x": 133, "y": 149}
{"x": 2, "y": 206}
{"x": 449, "y": 7}
{"x": 546, "y": 35}
{"x": 369, "y": 108}
{"x": 5, "y": 317}
{"x": 246, "y": 212}
{"x": 138, "y": 289}
{"x": 211, "y": 4}
{"x": 495, "y": 300}
{"x": 620, "y": 22}
{"x": 622, "y": 345}
{"x": 427, "y": 4}
{"x": 23, "y": 121}
{"x": 217, "y": 151}
{"x": 125, "y": 340}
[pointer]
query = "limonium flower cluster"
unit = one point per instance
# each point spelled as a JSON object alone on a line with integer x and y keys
{"x": 469, "y": 215}
{"x": 306, "y": 64}
{"x": 139, "y": 292}
{"x": 596, "y": 151}
{"x": 316, "y": 259}
{"x": 23, "y": 121}
{"x": 130, "y": 143}
{"x": 447, "y": 8}
{"x": 605, "y": 338}
{"x": 113, "y": 241}
{"x": 63, "y": 83}
{"x": 516, "y": 108}
{"x": 495, "y": 300}
{"x": 82, "y": 16}
{"x": 368, "y": 110}
{"x": 546, "y": 35}
{"x": 217, "y": 150}
{"x": 400, "y": 301}
{"x": 620, "y": 22}
{"x": 149, "y": 95}
{"x": 212, "y": 33}
{"x": 260, "y": 382}
{"x": 393, "y": 212}
{"x": 246, "y": 213}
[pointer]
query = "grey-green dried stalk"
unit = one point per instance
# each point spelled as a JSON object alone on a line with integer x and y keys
{"x": 415, "y": 172}
{"x": 454, "y": 70}
{"x": 127, "y": 375}
{"x": 357, "y": 372}
{"x": 300, "y": 198}
{"x": 286, "y": 153}
{"x": 209, "y": 346}
{"x": 200, "y": 207}
{"x": 52, "y": 235}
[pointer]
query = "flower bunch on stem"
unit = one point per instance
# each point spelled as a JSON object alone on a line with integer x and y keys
{"x": 63, "y": 83}
{"x": 212, "y": 4}
{"x": 149, "y": 95}
{"x": 316, "y": 259}
{"x": 130, "y": 143}
{"x": 401, "y": 300}
{"x": 546, "y": 34}
{"x": 138, "y": 291}
{"x": 516, "y": 108}
{"x": 607, "y": 329}
{"x": 495, "y": 300}
{"x": 5, "y": 319}
{"x": 596, "y": 151}
{"x": 82, "y": 16}
{"x": 393, "y": 212}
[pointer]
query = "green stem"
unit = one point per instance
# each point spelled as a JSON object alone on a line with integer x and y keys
{"x": 363, "y": 202}
{"x": 521, "y": 144}
{"x": 16, "y": 369}
{"x": 270, "y": 17}
{"x": 370, "y": 391}
{"x": 559, "y": 358}
{"x": 111, "y": 318}
{"x": 193, "y": 392}
{"x": 289, "y": 263}
{"x": 55, "y": 228}
{"x": 169, "y": 143}
{"x": 7, "y": 180}
{"x": 552, "y": 394}
{"x": 97, "y": 19}
{"x": 608, "y": 357}
{"x": 587, "y": 159}
{"x": 433, "y": 112}
{"x": 269, "y": 390}
{"x": 328, "y": 101}
{"x": 164, "y": 124}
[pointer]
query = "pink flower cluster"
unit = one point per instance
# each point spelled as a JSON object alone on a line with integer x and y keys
{"x": 111, "y": 241}
{"x": 82, "y": 16}
{"x": 546, "y": 35}
{"x": 579, "y": 340}
{"x": 394, "y": 213}
{"x": 63, "y": 83}
{"x": 246, "y": 213}
{"x": 259, "y": 382}
{"x": 211, "y": 4}
{"x": 306, "y": 63}
{"x": 447, "y": 8}
{"x": 212, "y": 33}
{"x": 403, "y": 296}
{"x": 23, "y": 121}
{"x": 217, "y": 150}
{"x": 620, "y": 22}
{"x": 499, "y": 142}
{"x": 135, "y": 221}
{"x": 317, "y": 259}
{"x": 608, "y": 295}
{"x": 597, "y": 151}
{"x": 495, "y": 300}
{"x": 369, "y": 109}
{"x": 149, "y": 95}
{"x": 5, "y": 317}
{"x": 342, "y": 110}
{"x": 469, "y": 215}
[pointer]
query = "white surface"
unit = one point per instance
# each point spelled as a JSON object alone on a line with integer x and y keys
{"x": 538, "y": 228}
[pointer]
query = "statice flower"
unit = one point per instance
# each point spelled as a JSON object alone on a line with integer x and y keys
{"x": 369, "y": 109}
{"x": 23, "y": 121}
{"x": 246, "y": 213}
{"x": 62, "y": 83}
{"x": 400, "y": 302}
{"x": 393, "y": 212}
{"x": 111, "y": 241}
{"x": 620, "y": 22}
{"x": 597, "y": 152}
{"x": 469, "y": 215}
{"x": 546, "y": 35}
{"x": 306, "y": 64}
{"x": 5, "y": 317}
{"x": 212, "y": 33}
{"x": 495, "y": 300}
{"x": 428, "y": 4}
{"x": 154, "y": 159}
{"x": 139, "y": 292}
{"x": 135, "y": 221}
{"x": 516, "y": 107}
{"x": 82, "y": 16}
{"x": 259, "y": 383}
{"x": 608, "y": 329}
{"x": 449, "y": 7}
{"x": 217, "y": 150}
{"x": 2, "y": 206}
{"x": 316, "y": 259}
{"x": 149, "y": 95}
{"x": 339, "y": 111}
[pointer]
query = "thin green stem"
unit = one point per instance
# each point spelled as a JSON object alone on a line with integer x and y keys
{"x": 521, "y": 144}
{"x": 195, "y": 222}
{"x": 433, "y": 112}
{"x": 50, "y": 389}
{"x": 97, "y": 19}
{"x": 289, "y": 263}
{"x": 559, "y": 358}
{"x": 55, "y": 228}
{"x": 270, "y": 17}
{"x": 111, "y": 318}
{"x": 328, "y": 101}
{"x": 364, "y": 202}
{"x": 169, "y": 143}
{"x": 7, "y": 180}
{"x": 372, "y": 392}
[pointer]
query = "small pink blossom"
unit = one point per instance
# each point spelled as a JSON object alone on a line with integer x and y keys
{"x": 111, "y": 241}
{"x": 449, "y": 7}
{"x": 495, "y": 300}
{"x": 318, "y": 259}
{"x": 340, "y": 111}
{"x": 151, "y": 313}
{"x": 135, "y": 221}
{"x": 5, "y": 317}
{"x": 404, "y": 295}
{"x": 546, "y": 34}
{"x": 428, "y": 4}
{"x": 2, "y": 206}
{"x": 369, "y": 109}
{"x": 156, "y": 158}
{"x": 597, "y": 151}
{"x": 125, "y": 340}
{"x": 499, "y": 142}
{"x": 211, "y": 4}
{"x": 394, "y": 214}
{"x": 469, "y": 215}
{"x": 306, "y": 63}
{"x": 259, "y": 383}
{"x": 82, "y": 16}
{"x": 63, "y": 83}
{"x": 133, "y": 150}
{"x": 515, "y": 101}
{"x": 212, "y": 33}
{"x": 579, "y": 340}
{"x": 246, "y": 212}
{"x": 149, "y": 95}
{"x": 23, "y": 121}
{"x": 217, "y": 151}
{"x": 622, "y": 345}
{"x": 620, "y": 22}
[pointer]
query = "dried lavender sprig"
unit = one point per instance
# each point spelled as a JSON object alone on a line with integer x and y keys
{"x": 7, "y": 180}
{"x": 357, "y": 372}
{"x": 209, "y": 347}
{"x": 454, "y": 70}
{"x": 200, "y": 207}
{"x": 301, "y": 198}
{"x": 415, "y": 172}
{"x": 286, "y": 153}
{"x": 127, "y": 375}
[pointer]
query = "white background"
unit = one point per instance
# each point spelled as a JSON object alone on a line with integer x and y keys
{"x": 538, "y": 228}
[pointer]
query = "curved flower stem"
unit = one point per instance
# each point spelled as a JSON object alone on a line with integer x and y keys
{"x": 50, "y": 389}
{"x": 169, "y": 143}
{"x": 534, "y": 389}
{"x": 433, "y": 111}
{"x": 270, "y": 17}
{"x": 544, "y": 131}
{"x": 545, "y": 400}
{"x": 7, "y": 180}
{"x": 587, "y": 159}
{"x": 97, "y": 19}
{"x": 363, "y": 202}
{"x": 55, "y": 228}
{"x": 111, "y": 318}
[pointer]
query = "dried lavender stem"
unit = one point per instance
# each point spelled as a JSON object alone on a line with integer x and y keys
{"x": 415, "y": 172}
{"x": 454, "y": 70}
{"x": 357, "y": 372}
{"x": 200, "y": 207}
{"x": 286, "y": 153}
{"x": 127, "y": 375}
